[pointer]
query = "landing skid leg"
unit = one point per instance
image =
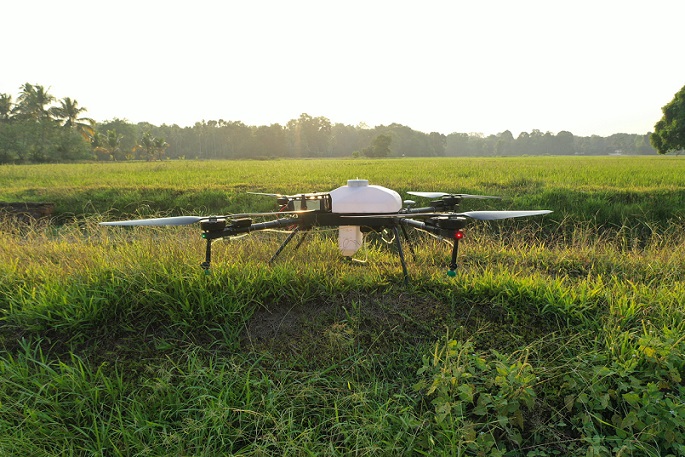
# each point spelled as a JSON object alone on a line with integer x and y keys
{"x": 299, "y": 243}
{"x": 208, "y": 257}
{"x": 398, "y": 240}
{"x": 286, "y": 241}
{"x": 453, "y": 263}
{"x": 406, "y": 236}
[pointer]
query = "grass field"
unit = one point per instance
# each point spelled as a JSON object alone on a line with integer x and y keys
{"x": 603, "y": 190}
{"x": 561, "y": 335}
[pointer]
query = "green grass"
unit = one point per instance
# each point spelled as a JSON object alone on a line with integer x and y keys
{"x": 607, "y": 191}
{"x": 551, "y": 340}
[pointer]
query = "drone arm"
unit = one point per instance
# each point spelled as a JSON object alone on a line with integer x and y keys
{"x": 448, "y": 228}
{"x": 425, "y": 209}
{"x": 278, "y": 223}
{"x": 421, "y": 226}
{"x": 217, "y": 229}
{"x": 240, "y": 226}
{"x": 422, "y": 209}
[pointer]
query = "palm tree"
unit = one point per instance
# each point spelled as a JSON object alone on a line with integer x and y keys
{"x": 160, "y": 147}
{"x": 33, "y": 108}
{"x": 33, "y": 103}
{"x": 6, "y": 107}
{"x": 111, "y": 146}
{"x": 69, "y": 112}
{"x": 152, "y": 147}
{"x": 147, "y": 145}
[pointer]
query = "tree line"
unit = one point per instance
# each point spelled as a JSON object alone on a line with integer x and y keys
{"x": 38, "y": 128}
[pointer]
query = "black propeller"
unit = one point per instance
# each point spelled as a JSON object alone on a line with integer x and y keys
{"x": 445, "y": 194}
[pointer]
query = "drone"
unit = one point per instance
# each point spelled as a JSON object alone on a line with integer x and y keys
{"x": 356, "y": 209}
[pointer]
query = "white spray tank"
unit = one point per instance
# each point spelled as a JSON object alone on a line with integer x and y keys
{"x": 358, "y": 197}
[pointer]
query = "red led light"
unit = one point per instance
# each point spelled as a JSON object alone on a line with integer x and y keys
{"x": 458, "y": 235}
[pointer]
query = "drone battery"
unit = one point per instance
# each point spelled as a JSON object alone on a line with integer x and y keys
{"x": 316, "y": 201}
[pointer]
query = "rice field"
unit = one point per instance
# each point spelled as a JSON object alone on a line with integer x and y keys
{"x": 561, "y": 335}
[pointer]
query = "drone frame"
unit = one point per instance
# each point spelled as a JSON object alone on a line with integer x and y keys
{"x": 303, "y": 212}
{"x": 440, "y": 221}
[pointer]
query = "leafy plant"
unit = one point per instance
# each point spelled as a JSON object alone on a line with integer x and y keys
{"x": 478, "y": 402}
{"x": 632, "y": 403}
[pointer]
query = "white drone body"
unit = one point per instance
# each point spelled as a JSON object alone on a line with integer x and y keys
{"x": 358, "y": 197}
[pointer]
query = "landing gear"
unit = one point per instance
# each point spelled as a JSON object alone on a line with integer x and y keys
{"x": 458, "y": 235}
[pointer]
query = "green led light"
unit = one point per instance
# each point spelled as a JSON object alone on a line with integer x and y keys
{"x": 451, "y": 273}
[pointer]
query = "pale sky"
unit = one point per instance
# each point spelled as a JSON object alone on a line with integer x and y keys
{"x": 585, "y": 66}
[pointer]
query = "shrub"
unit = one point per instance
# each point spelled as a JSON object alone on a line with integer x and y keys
{"x": 478, "y": 401}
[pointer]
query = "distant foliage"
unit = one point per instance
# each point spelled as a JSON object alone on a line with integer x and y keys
{"x": 35, "y": 129}
{"x": 235, "y": 140}
{"x": 38, "y": 128}
{"x": 669, "y": 132}
{"x": 380, "y": 147}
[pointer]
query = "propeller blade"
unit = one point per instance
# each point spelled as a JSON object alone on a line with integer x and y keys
{"x": 428, "y": 194}
{"x": 157, "y": 222}
{"x": 267, "y": 194}
{"x": 478, "y": 215}
{"x": 187, "y": 220}
{"x": 480, "y": 197}
{"x": 496, "y": 215}
{"x": 445, "y": 194}
{"x": 303, "y": 194}
{"x": 268, "y": 214}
